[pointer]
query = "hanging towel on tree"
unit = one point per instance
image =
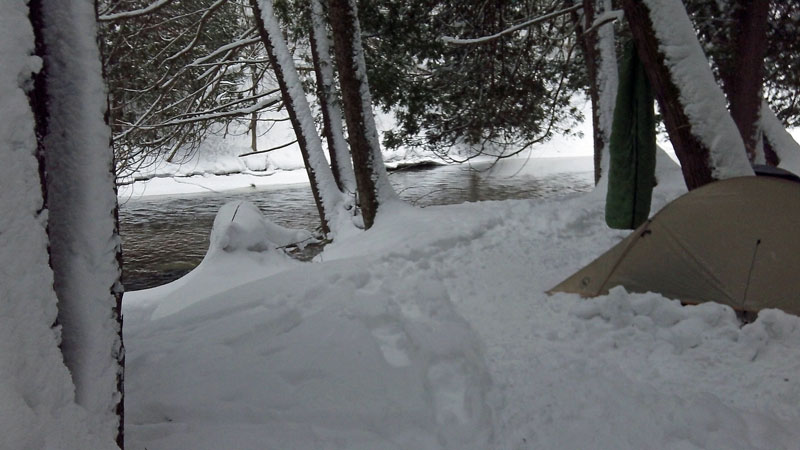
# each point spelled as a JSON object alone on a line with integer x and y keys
{"x": 631, "y": 173}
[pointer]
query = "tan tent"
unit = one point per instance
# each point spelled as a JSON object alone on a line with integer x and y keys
{"x": 735, "y": 241}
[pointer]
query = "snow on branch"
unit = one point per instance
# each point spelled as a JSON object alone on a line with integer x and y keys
{"x": 606, "y": 17}
{"x": 226, "y": 47}
{"x": 133, "y": 13}
{"x": 271, "y": 101}
{"x": 484, "y": 39}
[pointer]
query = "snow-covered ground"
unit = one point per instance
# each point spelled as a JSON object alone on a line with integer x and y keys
{"x": 433, "y": 330}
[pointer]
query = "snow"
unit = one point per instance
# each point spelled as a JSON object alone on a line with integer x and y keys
{"x": 432, "y": 330}
{"x": 37, "y": 408}
{"x": 703, "y": 100}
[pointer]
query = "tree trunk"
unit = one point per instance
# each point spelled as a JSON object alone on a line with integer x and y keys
{"x": 785, "y": 151}
{"x": 743, "y": 78}
{"x": 704, "y": 145}
{"x": 85, "y": 247}
{"x": 37, "y": 387}
{"x": 601, "y": 69}
{"x": 254, "y": 114}
{"x": 332, "y": 129}
{"x": 323, "y": 186}
{"x": 370, "y": 173}
{"x": 588, "y": 41}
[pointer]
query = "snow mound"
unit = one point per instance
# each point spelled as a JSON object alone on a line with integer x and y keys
{"x": 240, "y": 226}
{"x": 243, "y": 247}
{"x": 354, "y": 359}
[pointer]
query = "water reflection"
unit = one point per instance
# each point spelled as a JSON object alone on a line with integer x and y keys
{"x": 165, "y": 237}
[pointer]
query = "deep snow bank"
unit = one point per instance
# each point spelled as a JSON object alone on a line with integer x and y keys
{"x": 432, "y": 330}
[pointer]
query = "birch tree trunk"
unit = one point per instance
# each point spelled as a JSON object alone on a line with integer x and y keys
{"x": 370, "y": 173}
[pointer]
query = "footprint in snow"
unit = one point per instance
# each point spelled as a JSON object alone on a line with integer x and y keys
{"x": 392, "y": 340}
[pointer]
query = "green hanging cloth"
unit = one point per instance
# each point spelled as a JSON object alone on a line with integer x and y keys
{"x": 631, "y": 174}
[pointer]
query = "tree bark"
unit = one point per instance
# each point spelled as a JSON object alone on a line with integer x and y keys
{"x": 742, "y": 80}
{"x": 371, "y": 178}
{"x": 588, "y": 41}
{"x": 341, "y": 164}
{"x": 85, "y": 247}
{"x": 692, "y": 153}
{"x": 319, "y": 174}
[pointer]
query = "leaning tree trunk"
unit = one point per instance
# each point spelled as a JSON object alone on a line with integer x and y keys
{"x": 323, "y": 186}
{"x": 785, "y": 150}
{"x": 341, "y": 164}
{"x": 371, "y": 177}
{"x": 704, "y": 136}
{"x": 85, "y": 246}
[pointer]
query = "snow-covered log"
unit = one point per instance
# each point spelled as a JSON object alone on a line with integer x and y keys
{"x": 37, "y": 407}
{"x": 84, "y": 239}
{"x": 331, "y": 112}
{"x": 327, "y": 195}
{"x": 703, "y": 134}
{"x": 374, "y": 188}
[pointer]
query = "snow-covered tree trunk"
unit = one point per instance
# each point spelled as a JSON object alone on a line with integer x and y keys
{"x": 703, "y": 134}
{"x": 38, "y": 408}
{"x": 341, "y": 164}
{"x": 84, "y": 237}
{"x": 785, "y": 148}
{"x": 743, "y": 77}
{"x": 598, "y": 43}
{"x": 372, "y": 180}
{"x": 607, "y": 81}
{"x": 326, "y": 193}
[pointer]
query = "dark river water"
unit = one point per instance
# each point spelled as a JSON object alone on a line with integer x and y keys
{"x": 164, "y": 237}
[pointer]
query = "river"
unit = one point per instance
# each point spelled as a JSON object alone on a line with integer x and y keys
{"x": 164, "y": 237}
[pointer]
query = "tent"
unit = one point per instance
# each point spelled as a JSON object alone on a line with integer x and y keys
{"x": 733, "y": 241}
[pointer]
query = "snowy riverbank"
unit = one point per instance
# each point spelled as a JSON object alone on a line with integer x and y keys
{"x": 432, "y": 330}
{"x": 217, "y": 165}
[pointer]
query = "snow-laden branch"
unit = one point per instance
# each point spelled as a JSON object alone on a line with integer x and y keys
{"x": 606, "y": 17}
{"x": 133, "y": 13}
{"x": 482, "y": 40}
{"x": 271, "y": 101}
{"x": 225, "y": 48}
